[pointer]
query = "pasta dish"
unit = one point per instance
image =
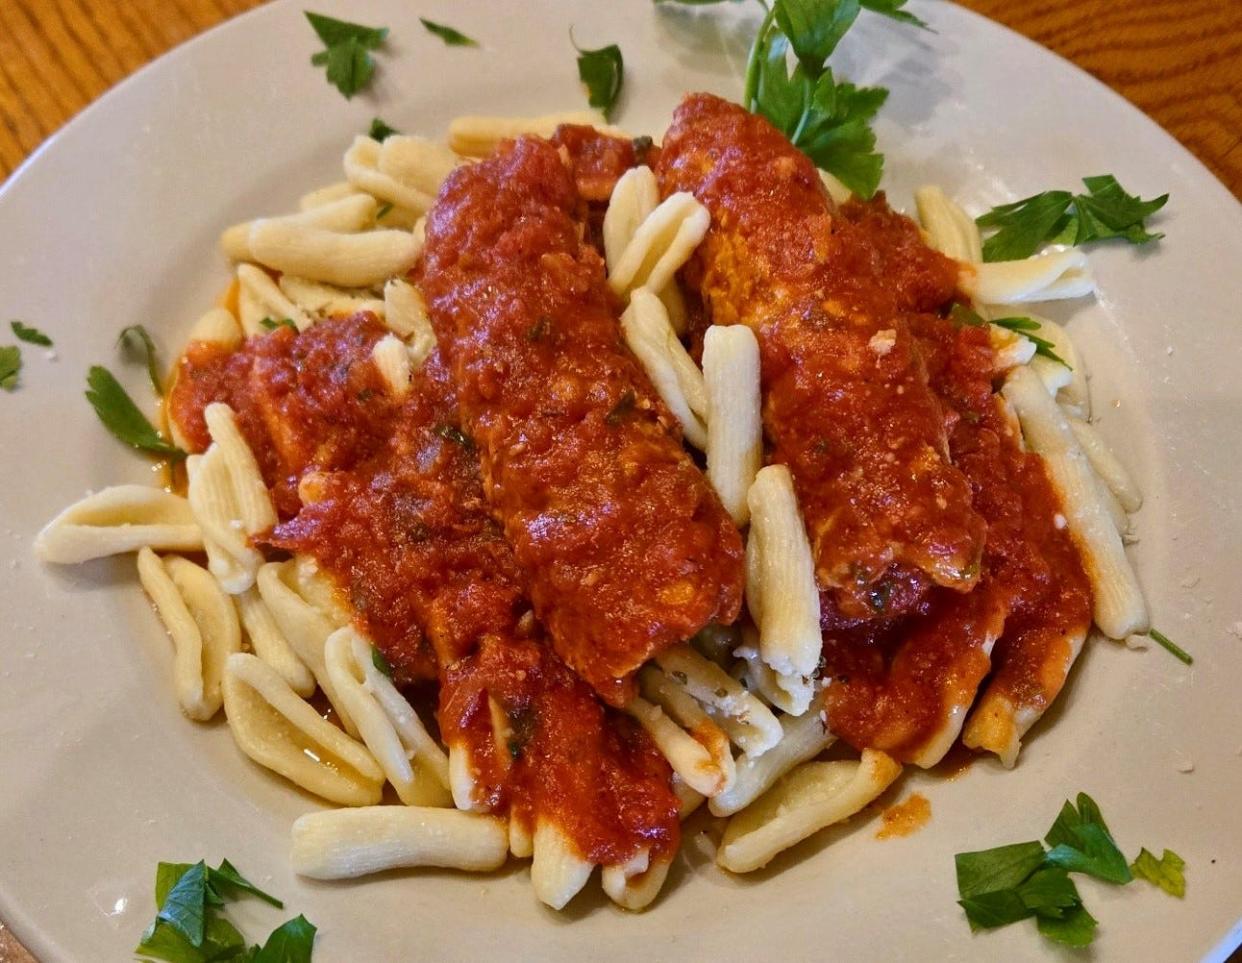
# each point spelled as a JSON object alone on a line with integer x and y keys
{"x": 548, "y": 484}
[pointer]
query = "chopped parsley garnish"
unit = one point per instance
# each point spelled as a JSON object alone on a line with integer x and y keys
{"x": 1165, "y": 872}
{"x": 380, "y": 131}
{"x": 271, "y": 324}
{"x": 10, "y": 365}
{"x": 384, "y": 209}
{"x": 189, "y": 926}
{"x": 121, "y": 416}
{"x": 602, "y": 71}
{"x": 827, "y": 119}
{"x": 136, "y": 341}
{"x": 965, "y": 316}
{"x": 1023, "y": 880}
{"x": 380, "y": 661}
{"x": 347, "y": 51}
{"x": 1061, "y": 217}
{"x": 1178, "y": 652}
{"x": 451, "y": 37}
{"x": 24, "y": 332}
{"x": 622, "y": 408}
{"x": 456, "y": 435}
{"x": 540, "y": 329}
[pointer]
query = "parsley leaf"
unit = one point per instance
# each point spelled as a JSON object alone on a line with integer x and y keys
{"x": 814, "y": 28}
{"x": 893, "y": 9}
{"x": 1165, "y": 872}
{"x": 456, "y": 435}
{"x": 620, "y": 410}
{"x": 121, "y": 416}
{"x": 1167, "y": 643}
{"x": 137, "y": 341}
{"x": 1004, "y": 867}
{"x": 291, "y": 942}
{"x": 1060, "y": 217}
{"x": 603, "y": 72}
{"x": 10, "y": 365}
{"x": 347, "y": 53}
{"x": 227, "y": 881}
{"x": 271, "y": 324}
{"x": 987, "y": 911}
{"x": 380, "y": 131}
{"x": 30, "y": 335}
{"x": 451, "y": 37}
{"x": 188, "y": 927}
{"x": 1081, "y": 843}
{"x": 1026, "y": 327}
{"x": 384, "y": 209}
{"x": 184, "y": 905}
{"x": 1075, "y": 928}
{"x": 380, "y": 661}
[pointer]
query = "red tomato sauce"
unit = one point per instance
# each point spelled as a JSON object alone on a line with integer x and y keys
{"x": 386, "y": 495}
{"x": 847, "y": 405}
{"x": 625, "y": 545}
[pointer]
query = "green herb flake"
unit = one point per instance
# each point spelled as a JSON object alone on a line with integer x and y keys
{"x": 184, "y": 905}
{"x": 380, "y": 662}
{"x": 623, "y": 407}
{"x": 121, "y": 416}
{"x": 10, "y": 365}
{"x": 225, "y": 882}
{"x": 347, "y": 54}
{"x": 1025, "y": 327}
{"x": 24, "y": 332}
{"x": 271, "y": 324}
{"x": 1080, "y": 842}
{"x": 603, "y": 72}
{"x": 964, "y": 316}
{"x": 1076, "y": 927}
{"x": 893, "y": 10}
{"x": 384, "y": 210}
{"x": 1061, "y": 217}
{"x": 451, "y": 37}
{"x": 136, "y": 342}
{"x": 1178, "y": 652}
{"x": 380, "y": 131}
{"x": 456, "y": 435}
{"x": 291, "y": 942}
{"x": 1004, "y": 867}
{"x": 540, "y": 329}
{"x": 1165, "y": 872}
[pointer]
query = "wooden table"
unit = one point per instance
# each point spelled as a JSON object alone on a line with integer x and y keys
{"x": 1178, "y": 60}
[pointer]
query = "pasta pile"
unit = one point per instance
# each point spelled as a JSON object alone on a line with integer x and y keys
{"x": 737, "y": 714}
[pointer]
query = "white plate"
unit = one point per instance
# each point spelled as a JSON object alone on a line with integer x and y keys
{"x": 115, "y": 222}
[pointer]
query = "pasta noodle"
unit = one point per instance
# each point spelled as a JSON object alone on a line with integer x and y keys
{"x": 662, "y": 243}
{"x": 949, "y": 229}
{"x": 462, "y": 779}
{"x": 689, "y": 758}
{"x": 350, "y": 213}
{"x": 346, "y": 843}
{"x": 306, "y": 627}
{"x": 1117, "y": 600}
{"x": 1050, "y": 276}
{"x": 784, "y": 577}
{"x": 319, "y": 254}
{"x": 393, "y": 362}
{"x": 1106, "y": 465}
{"x": 401, "y": 754}
{"x": 635, "y": 884}
{"x": 633, "y": 199}
{"x": 327, "y": 195}
{"x": 230, "y": 501}
{"x": 406, "y": 316}
{"x": 362, "y": 169}
{"x": 802, "y": 738}
{"x": 734, "y": 415}
{"x": 260, "y": 297}
{"x": 674, "y": 375}
{"x": 270, "y": 645}
{"x": 202, "y": 624}
{"x": 324, "y": 301}
{"x": 811, "y": 798}
{"x": 557, "y": 871}
{"x": 473, "y": 136}
{"x": 749, "y": 723}
{"x": 119, "y": 519}
{"x": 417, "y": 162}
{"x": 277, "y": 729}
{"x": 218, "y": 326}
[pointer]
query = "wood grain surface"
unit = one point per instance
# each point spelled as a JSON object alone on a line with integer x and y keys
{"x": 1178, "y": 60}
